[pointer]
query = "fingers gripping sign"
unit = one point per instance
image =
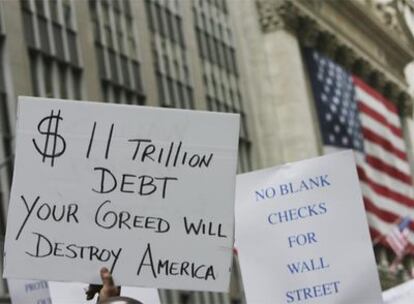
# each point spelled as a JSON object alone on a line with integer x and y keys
{"x": 106, "y": 290}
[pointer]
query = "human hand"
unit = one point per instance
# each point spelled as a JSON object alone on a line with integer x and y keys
{"x": 107, "y": 290}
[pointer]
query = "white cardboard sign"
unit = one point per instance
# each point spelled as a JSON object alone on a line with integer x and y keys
{"x": 146, "y": 192}
{"x": 401, "y": 294}
{"x": 29, "y": 292}
{"x": 302, "y": 234}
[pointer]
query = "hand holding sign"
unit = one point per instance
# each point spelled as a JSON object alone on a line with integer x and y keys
{"x": 146, "y": 192}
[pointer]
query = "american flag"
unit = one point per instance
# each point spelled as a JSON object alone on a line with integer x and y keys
{"x": 352, "y": 115}
{"x": 398, "y": 239}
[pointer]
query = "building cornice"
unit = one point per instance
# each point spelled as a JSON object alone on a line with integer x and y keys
{"x": 352, "y": 35}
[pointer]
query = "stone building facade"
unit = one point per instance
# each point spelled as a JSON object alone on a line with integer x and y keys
{"x": 166, "y": 53}
{"x": 242, "y": 56}
{"x": 372, "y": 39}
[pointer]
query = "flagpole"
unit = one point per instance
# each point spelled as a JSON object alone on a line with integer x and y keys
{"x": 397, "y": 260}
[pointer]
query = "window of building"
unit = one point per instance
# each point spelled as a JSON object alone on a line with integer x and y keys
{"x": 220, "y": 72}
{"x": 53, "y": 5}
{"x": 55, "y": 72}
{"x": 117, "y": 60}
{"x": 167, "y": 38}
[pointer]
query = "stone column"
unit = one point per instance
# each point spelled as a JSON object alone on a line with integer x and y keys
{"x": 285, "y": 124}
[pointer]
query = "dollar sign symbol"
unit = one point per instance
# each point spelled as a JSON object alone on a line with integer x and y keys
{"x": 50, "y": 146}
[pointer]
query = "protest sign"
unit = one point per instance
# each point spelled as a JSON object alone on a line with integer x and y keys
{"x": 146, "y": 192}
{"x": 29, "y": 292}
{"x": 302, "y": 234}
{"x": 71, "y": 293}
{"x": 401, "y": 294}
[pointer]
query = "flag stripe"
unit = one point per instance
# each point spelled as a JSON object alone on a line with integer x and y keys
{"x": 382, "y": 131}
{"x": 373, "y": 149}
{"x": 385, "y": 143}
{"x": 388, "y": 169}
{"x": 384, "y": 215}
{"x": 385, "y": 191}
{"x": 384, "y": 203}
{"x": 384, "y": 179}
{"x": 364, "y": 108}
{"x": 376, "y": 96}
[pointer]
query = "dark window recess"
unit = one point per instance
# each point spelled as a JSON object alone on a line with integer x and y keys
{"x": 141, "y": 99}
{"x": 166, "y": 65}
{"x": 118, "y": 22}
{"x": 180, "y": 31}
{"x": 92, "y": 7}
{"x": 204, "y": 46}
{"x": 171, "y": 92}
{"x": 44, "y": 37}
{"x": 47, "y": 76}
{"x": 185, "y": 298}
{"x": 160, "y": 87}
{"x": 199, "y": 43}
{"x": 210, "y": 105}
{"x": 5, "y": 119}
{"x": 109, "y": 39}
{"x": 201, "y": 297}
{"x": 57, "y": 34}
{"x": 218, "y": 53}
{"x": 116, "y": 5}
{"x": 125, "y": 71}
{"x": 2, "y": 80}
{"x": 127, "y": 6}
{"x": 209, "y": 51}
{"x": 5, "y": 132}
{"x": 224, "y": 6}
{"x": 67, "y": 13}
{"x": 190, "y": 96}
{"x": 100, "y": 57}
{"x": 137, "y": 76}
{"x": 25, "y": 5}
{"x": 77, "y": 83}
{"x": 212, "y": 49}
{"x": 223, "y": 60}
{"x": 54, "y": 10}
{"x": 62, "y": 81}
{"x": 117, "y": 95}
{"x": 160, "y": 22}
{"x": 73, "y": 51}
{"x": 129, "y": 98}
{"x": 148, "y": 8}
{"x": 233, "y": 61}
{"x": 114, "y": 66}
{"x": 40, "y": 7}
{"x": 33, "y": 73}
{"x": 105, "y": 91}
{"x": 181, "y": 95}
{"x": 243, "y": 130}
{"x": 229, "y": 60}
{"x": 120, "y": 37}
{"x": 96, "y": 30}
{"x": 170, "y": 24}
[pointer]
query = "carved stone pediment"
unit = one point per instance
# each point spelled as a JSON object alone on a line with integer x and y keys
{"x": 368, "y": 37}
{"x": 396, "y": 15}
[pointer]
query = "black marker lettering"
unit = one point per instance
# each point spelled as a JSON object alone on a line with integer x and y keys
{"x": 29, "y": 212}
